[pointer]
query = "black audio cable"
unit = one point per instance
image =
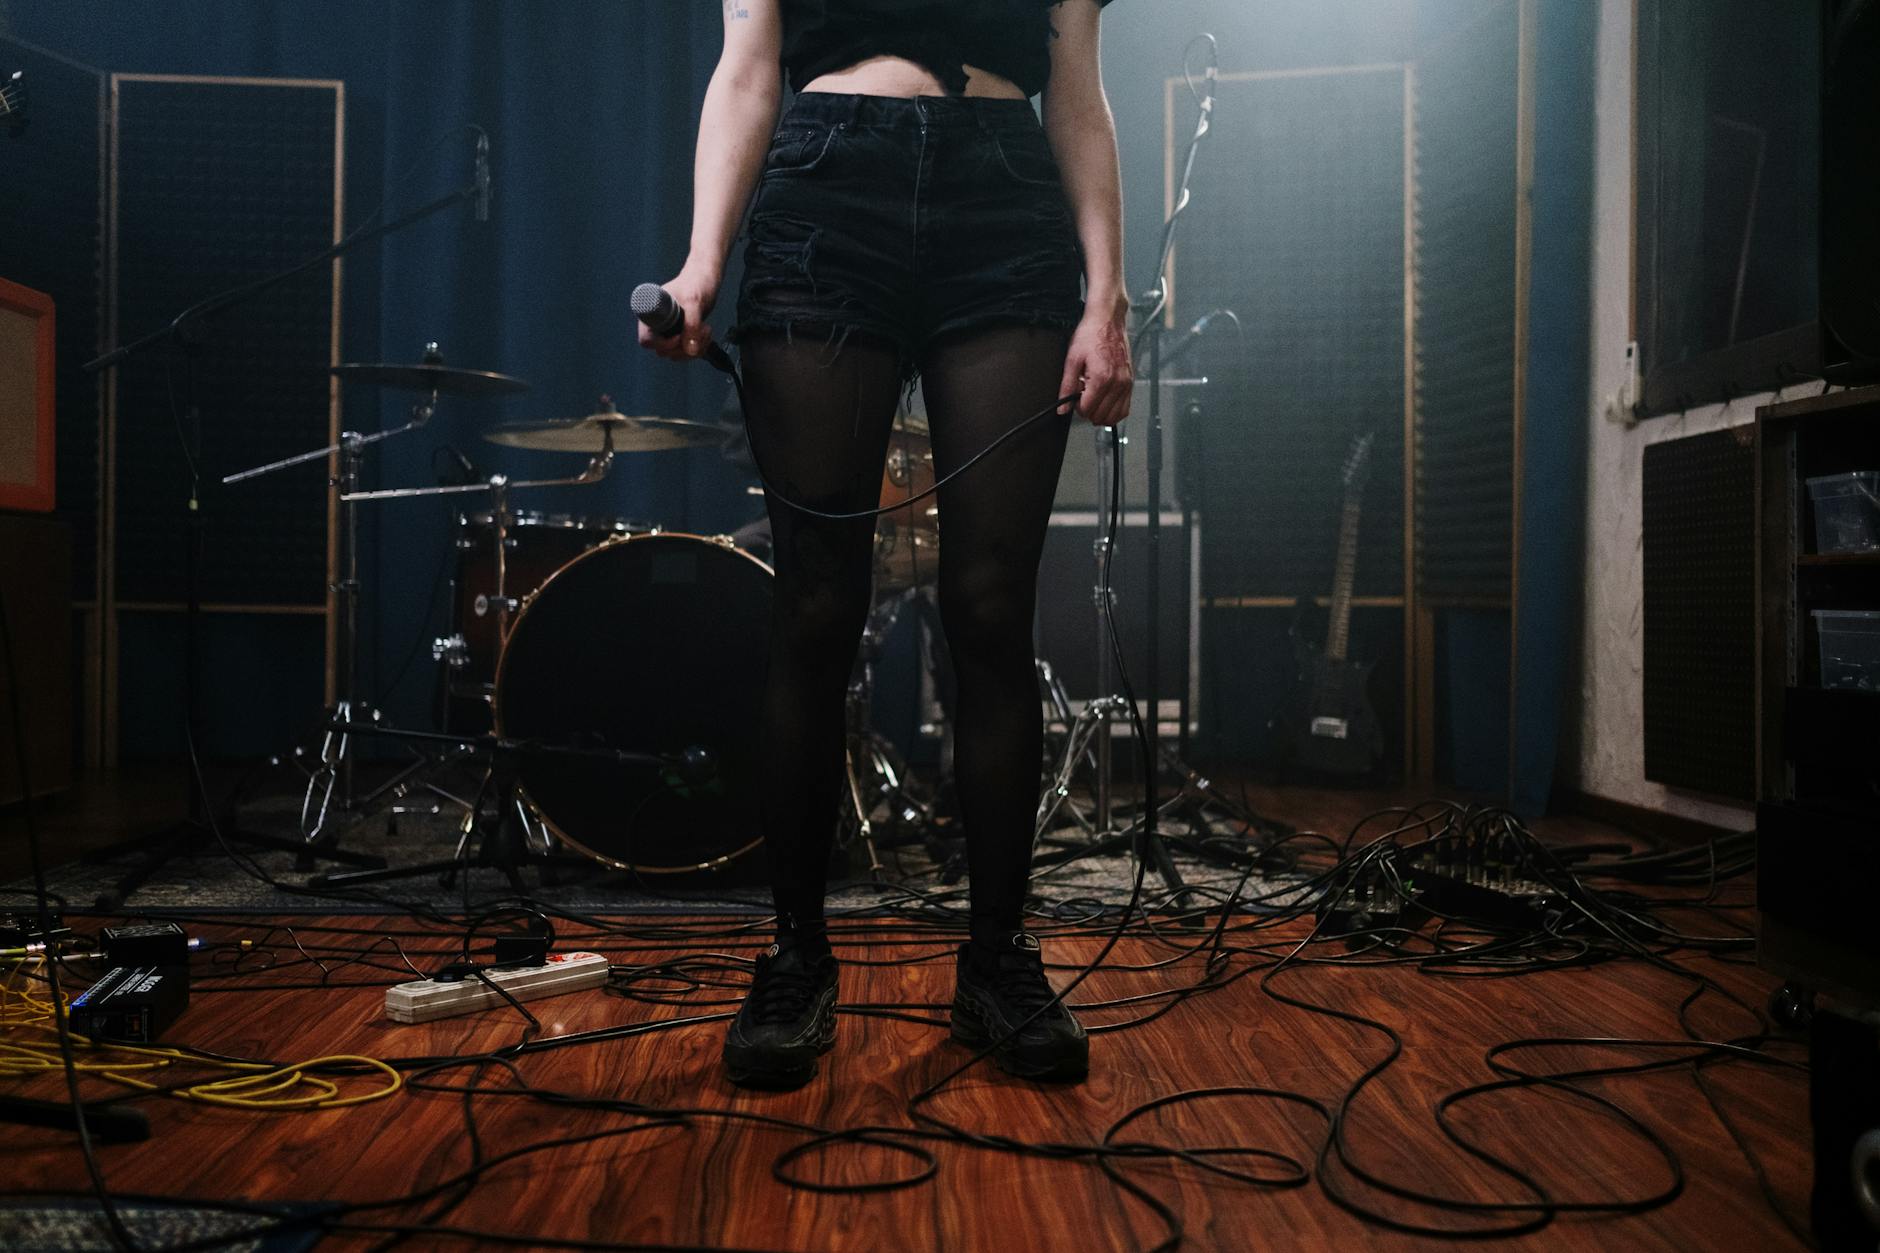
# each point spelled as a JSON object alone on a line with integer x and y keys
{"x": 120, "y": 1235}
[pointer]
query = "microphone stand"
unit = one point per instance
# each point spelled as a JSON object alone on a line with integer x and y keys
{"x": 1144, "y": 835}
{"x": 1155, "y": 302}
{"x": 197, "y": 829}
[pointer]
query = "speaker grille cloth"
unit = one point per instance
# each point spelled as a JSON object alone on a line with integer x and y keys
{"x": 1700, "y": 614}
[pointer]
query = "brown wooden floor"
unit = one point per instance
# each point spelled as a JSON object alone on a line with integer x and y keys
{"x": 710, "y": 1182}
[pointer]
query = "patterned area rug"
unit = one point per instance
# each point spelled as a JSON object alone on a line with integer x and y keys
{"x": 217, "y": 878}
{"x": 74, "y": 1225}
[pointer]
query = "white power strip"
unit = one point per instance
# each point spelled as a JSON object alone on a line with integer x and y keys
{"x": 427, "y": 999}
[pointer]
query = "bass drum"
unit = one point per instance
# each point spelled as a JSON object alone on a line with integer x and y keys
{"x": 653, "y": 643}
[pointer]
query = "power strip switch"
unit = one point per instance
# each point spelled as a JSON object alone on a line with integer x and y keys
{"x": 426, "y": 1000}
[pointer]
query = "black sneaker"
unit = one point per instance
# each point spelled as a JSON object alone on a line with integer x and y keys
{"x": 787, "y": 1021}
{"x": 1003, "y": 985}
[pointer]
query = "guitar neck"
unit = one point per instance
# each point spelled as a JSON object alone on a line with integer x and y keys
{"x": 1338, "y": 632}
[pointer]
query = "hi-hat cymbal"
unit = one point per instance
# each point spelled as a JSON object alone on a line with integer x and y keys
{"x": 442, "y": 379}
{"x": 598, "y": 431}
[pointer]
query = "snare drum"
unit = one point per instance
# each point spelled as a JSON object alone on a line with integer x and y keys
{"x": 651, "y": 643}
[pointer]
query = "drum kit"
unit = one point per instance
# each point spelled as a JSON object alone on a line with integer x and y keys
{"x": 605, "y": 673}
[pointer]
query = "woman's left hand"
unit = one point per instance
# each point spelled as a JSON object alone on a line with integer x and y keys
{"x": 1099, "y": 366}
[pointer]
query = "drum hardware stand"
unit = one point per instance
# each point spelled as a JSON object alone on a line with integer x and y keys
{"x": 868, "y": 754}
{"x": 507, "y": 838}
{"x": 508, "y": 835}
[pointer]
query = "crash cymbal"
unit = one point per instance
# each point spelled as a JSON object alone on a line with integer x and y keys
{"x": 442, "y": 379}
{"x": 591, "y": 434}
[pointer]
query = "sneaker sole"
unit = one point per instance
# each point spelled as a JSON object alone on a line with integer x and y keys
{"x": 973, "y": 1035}
{"x": 777, "y": 1078}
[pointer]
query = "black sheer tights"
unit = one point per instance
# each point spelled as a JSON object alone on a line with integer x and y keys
{"x": 821, "y": 421}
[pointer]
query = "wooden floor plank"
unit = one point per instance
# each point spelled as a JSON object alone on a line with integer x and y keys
{"x": 711, "y": 1182}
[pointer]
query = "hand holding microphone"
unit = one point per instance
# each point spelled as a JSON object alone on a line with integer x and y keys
{"x": 672, "y": 317}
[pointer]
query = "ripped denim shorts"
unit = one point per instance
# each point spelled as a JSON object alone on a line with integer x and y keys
{"x": 908, "y": 219}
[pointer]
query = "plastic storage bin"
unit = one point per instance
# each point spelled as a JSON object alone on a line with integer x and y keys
{"x": 1847, "y": 512}
{"x": 1850, "y": 648}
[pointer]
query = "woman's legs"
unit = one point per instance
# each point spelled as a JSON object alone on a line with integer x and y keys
{"x": 819, "y": 417}
{"x": 979, "y": 384}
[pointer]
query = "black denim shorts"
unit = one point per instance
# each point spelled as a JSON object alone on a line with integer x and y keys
{"x": 906, "y": 219}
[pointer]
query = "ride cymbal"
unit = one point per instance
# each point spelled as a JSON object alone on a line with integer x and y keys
{"x": 440, "y": 379}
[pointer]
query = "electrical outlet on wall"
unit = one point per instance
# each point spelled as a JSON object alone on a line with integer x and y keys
{"x": 1622, "y": 406}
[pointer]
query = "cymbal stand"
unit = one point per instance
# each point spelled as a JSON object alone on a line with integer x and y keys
{"x": 497, "y": 484}
{"x": 498, "y": 487}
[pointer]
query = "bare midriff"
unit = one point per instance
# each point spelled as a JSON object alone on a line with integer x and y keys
{"x": 897, "y": 76}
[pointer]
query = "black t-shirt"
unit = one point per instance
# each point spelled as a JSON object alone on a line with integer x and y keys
{"x": 1011, "y": 38}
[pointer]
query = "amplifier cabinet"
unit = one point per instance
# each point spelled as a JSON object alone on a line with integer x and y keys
{"x": 1077, "y": 485}
{"x": 36, "y": 575}
{"x": 26, "y": 399}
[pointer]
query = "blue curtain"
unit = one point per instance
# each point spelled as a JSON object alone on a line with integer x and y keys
{"x": 1507, "y": 680}
{"x": 1553, "y": 473}
{"x": 591, "y": 107}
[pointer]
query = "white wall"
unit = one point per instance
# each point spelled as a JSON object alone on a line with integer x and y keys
{"x": 1611, "y": 757}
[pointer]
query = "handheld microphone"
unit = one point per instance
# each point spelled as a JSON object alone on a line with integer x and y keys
{"x": 654, "y": 305}
{"x": 483, "y": 177}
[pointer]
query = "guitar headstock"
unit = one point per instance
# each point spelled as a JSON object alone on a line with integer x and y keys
{"x": 1358, "y": 460}
{"x": 13, "y": 103}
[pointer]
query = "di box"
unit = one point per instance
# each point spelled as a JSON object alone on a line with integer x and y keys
{"x": 146, "y": 944}
{"x": 131, "y": 1004}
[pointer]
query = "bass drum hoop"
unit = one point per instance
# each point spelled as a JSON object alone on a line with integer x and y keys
{"x": 496, "y": 702}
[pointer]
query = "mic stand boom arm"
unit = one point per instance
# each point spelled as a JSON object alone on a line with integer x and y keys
{"x": 215, "y": 304}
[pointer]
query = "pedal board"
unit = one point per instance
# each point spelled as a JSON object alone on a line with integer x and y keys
{"x": 426, "y": 1000}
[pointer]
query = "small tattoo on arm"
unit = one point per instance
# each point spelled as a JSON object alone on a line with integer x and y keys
{"x": 735, "y": 10}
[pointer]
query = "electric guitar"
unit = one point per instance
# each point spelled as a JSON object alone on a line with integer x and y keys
{"x": 1338, "y": 732}
{"x": 13, "y": 103}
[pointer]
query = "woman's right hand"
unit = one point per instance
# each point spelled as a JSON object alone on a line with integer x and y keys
{"x": 695, "y": 293}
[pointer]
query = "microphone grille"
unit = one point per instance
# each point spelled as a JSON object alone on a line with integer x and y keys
{"x": 646, "y": 298}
